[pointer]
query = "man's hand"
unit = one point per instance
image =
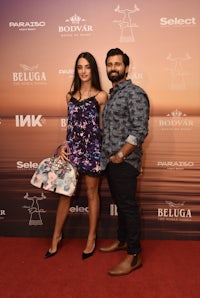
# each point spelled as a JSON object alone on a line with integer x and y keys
{"x": 116, "y": 158}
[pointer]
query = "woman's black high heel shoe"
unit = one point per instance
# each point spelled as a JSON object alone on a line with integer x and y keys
{"x": 87, "y": 255}
{"x": 51, "y": 254}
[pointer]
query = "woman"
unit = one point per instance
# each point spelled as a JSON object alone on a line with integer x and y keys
{"x": 85, "y": 102}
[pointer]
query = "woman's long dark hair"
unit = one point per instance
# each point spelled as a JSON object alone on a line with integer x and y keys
{"x": 76, "y": 83}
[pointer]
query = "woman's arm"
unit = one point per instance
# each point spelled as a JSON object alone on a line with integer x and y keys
{"x": 102, "y": 98}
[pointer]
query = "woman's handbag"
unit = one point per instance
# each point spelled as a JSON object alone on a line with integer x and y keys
{"x": 56, "y": 175}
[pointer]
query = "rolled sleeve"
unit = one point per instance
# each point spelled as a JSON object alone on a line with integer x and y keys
{"x": 132, "y": 140}
{"x": 139, "y": 116}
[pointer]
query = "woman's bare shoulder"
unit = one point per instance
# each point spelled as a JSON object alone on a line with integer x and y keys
{"x": 102, "y": 97}
{"x": 68, "y": 97}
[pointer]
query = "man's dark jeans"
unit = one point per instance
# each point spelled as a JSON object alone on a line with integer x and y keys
{"x": 122, "y": 181}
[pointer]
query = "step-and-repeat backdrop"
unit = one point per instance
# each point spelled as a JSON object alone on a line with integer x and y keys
{"x": 40, "y": 41}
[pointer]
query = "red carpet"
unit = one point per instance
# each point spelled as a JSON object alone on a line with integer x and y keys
{"x": 171, "y": 269}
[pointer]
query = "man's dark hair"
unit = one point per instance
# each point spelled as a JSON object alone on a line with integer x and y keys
{"x": 117, "y": 51}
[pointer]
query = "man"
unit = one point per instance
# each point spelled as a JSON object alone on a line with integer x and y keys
{"x": 125, "y": 126}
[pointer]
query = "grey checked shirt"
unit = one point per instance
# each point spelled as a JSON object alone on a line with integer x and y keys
{"x": 125, "y": 119}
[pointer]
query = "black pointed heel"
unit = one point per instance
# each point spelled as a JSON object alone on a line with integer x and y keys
{"x": 51, "y": 254}
{"x": 87, "y": 255}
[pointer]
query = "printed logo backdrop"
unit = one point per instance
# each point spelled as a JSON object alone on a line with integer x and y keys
{"x": 40, "y": 41}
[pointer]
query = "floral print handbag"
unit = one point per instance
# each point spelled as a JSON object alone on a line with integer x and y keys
{"x": 55, "y": 175}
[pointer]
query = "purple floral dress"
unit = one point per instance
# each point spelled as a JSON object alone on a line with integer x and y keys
{"x": 84, "y": 136}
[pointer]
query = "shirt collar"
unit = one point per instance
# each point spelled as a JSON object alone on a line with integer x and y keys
{"x": 119, "y": 86}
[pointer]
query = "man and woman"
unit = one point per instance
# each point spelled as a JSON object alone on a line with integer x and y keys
{"x": 124, "y": 120}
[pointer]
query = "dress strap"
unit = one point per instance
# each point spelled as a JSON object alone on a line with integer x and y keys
{"x": 97, "y": 93}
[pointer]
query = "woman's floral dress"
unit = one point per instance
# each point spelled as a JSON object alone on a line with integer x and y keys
{"x": 84, "y": 135}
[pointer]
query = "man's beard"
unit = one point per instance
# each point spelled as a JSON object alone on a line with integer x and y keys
{"x": 117, "y": 77}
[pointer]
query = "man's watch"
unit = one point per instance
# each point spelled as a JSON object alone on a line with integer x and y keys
{"x": 120, "y": 154}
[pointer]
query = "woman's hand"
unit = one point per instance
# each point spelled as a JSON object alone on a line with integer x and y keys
{"x": 62, "y": 152}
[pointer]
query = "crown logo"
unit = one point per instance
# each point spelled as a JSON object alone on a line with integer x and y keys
{"x": 75, "y": 19}
{"x": 176, "y": 113}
